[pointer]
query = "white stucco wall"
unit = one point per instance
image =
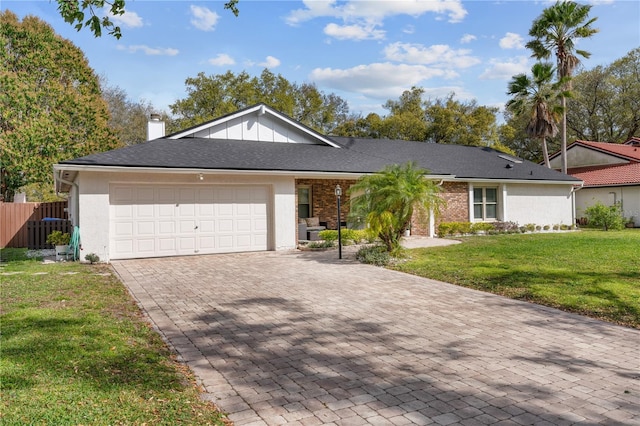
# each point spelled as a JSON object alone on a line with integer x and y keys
{"x": 629, "y": 196}
{"x": 579, "y": 156}
{"x": 538, "y": 204}
{"x": 93, "y": 203}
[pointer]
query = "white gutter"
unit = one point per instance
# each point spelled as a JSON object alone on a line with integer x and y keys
{"x": 306, "y": 174}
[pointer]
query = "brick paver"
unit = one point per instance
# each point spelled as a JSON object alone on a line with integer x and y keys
{"x": 302, "y": 338}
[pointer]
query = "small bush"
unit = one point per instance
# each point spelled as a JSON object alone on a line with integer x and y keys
{"x": 92, "y": 258}
{"x": 374, "y": 255}
{"x": 530, "y": 227}
{"x": 556, "y": 227}
{"x": 506, "y": 227}
{"x": 321, "y": 244}
{"x": 546, "y": 227}
{"x": 57, "y": 238}
{"x": 348, "y": 236}
{"x": 481, "y": 226}
{"x": 605, "y": 217}
{"x": 538, "y": 228}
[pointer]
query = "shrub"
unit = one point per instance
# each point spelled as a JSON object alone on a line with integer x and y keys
{"x": 538, "y": 228}
{"x": 606, "y": 217}
{"x": 57, "y": 238}
{"x": 454, "y": 228}
{"x": 530, "y": 227}
{"x": 481, "y": 226}
{"x": 92, "y": 258}
{"x": 506, "y": 227}
{"x": 329, "y": 235}
{"x": 374, "y": 255}
{"x": 546, "y": 227}
{"x": 321, "y": 244}
{"x": 348, "y": 236}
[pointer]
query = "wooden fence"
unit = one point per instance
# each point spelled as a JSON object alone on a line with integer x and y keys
{"x": 14, "y": 218}
{"x": 39, "y": 230}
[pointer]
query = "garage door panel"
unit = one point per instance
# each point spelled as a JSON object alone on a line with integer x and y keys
{"x": 146, "y": 245}
{"x": 145, "y": 228}
{"x": 260, "y": 225}
{"x": 243, "y": 225}
{"x": 166, "y": 210}
{"x": 145, "y": 211}
{"x": 207, "y": 226}
{"x": 225, "y": 242}
{"x": 225, "y": 225}
{"x": 165, "y": 220}
{"x": 125, "y": 212}
{"x": 145, "y": 196}
{"x": 166, "y": 228}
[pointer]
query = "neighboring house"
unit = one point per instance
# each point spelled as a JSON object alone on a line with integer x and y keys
{"x": 611, "y": 174}
{"x": 243, "y": 182}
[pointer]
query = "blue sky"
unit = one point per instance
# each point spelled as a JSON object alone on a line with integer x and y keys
{"x": 364, "y": 51}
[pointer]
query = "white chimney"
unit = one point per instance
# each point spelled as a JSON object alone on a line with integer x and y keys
{"x": 155, "y": 127}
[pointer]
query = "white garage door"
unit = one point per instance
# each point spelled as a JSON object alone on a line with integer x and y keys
{"x": 156, "y": 221}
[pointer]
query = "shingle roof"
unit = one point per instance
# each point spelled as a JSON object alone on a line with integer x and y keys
{"x": 354, "y": 156}
{"x": 620, "y": 174}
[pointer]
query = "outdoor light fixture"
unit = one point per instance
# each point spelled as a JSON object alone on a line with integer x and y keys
{"x": 200, "y": 176}
{"x": 338, "y": 193}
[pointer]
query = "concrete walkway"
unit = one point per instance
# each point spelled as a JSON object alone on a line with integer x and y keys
{"x": 302, "y": 338}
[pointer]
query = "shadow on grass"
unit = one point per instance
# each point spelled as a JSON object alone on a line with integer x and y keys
{"x": 64, "y": 350}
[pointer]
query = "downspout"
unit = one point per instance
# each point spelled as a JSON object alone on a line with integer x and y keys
{"x": 574, "y": 189}
{"x": 76, "y": 194}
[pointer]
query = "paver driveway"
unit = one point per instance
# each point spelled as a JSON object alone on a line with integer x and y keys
{"x": 302, "y": 338}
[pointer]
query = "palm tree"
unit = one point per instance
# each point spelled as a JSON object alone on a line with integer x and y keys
{"x": 555, "y": 31}
{"x": 389, "y": 198}
{"x": 536, "y": 96}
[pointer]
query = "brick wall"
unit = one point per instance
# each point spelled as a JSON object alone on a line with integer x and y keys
{"x": 324, "y": 204}
{"x": 456, "y": 195}
{"x": 323, "y": 199}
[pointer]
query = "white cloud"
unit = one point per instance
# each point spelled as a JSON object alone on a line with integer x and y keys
{"x": 505, "y": 70}
{"x": 203, "y": 18}
{"x": 512, "y": 41}
{"x": 409, "y": 29}
{"x": 438, "y": 54}
{"x": 378, "y": 80}
{"x": 353, "y": 32}
{"x": 468, "y": 38}
{"x": 127, "y": 19}
{"x": 270, "y": 62}
{"x": 221, "y": 60}
{"x": 375, "y": 11}
{"x": 151, "y": 51}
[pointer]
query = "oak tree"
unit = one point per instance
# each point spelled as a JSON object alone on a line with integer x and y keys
{"x": 51, "y": 107}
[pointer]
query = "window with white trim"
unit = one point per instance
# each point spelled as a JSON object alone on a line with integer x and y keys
{"x": 485, "y": 204}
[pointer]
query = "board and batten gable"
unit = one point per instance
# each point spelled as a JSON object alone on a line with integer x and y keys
{"x": 260, "y": 124}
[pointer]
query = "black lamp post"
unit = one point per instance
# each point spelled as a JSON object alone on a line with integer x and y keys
{"x": 338, "y": 195}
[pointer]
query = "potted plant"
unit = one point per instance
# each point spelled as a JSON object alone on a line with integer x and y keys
{"x": 60, "y": 241}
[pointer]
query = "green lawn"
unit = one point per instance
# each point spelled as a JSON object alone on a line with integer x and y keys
{"x": 76, "y": 350}
{"x": 594, "y": 273}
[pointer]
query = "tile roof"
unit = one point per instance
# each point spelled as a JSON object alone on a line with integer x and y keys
{"x": 628, "y": 151}
{"x": 355, "y": 155}
{"x": 620, "y": 174}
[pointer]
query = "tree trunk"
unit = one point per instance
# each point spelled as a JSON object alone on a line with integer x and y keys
{"x": 563, "y": 154}
{"x": 545, "y": 152}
